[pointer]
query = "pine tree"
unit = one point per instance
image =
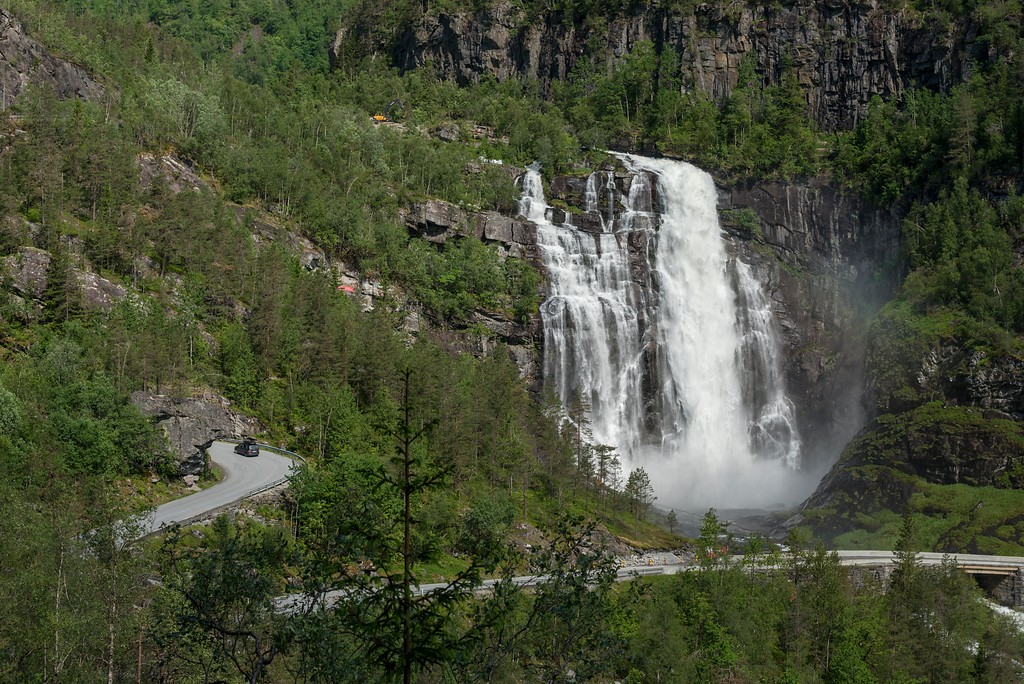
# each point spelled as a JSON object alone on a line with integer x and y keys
{"x": 908, "y": 566}
{"x": 61, "y": 296}
{"x": 577, "y": 429}
{"x": 639, "y": 492}
{"x": 603, "y": 457}
{"x": 402, "y": 632}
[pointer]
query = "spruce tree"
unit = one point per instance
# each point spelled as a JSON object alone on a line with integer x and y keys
{"x": 61, "y": 296}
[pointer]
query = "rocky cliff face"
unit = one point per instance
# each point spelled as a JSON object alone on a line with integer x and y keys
{"x": 843, "y": 52}
{"x": 190, "y": 422}
{"x": 826, "y": 259}
{"x": 28, "y": 271}
{"x": 24, "y": 61}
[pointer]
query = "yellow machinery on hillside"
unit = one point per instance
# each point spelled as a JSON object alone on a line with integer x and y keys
{"x": 386, "y": 116}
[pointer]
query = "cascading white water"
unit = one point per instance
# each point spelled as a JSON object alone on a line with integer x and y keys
{"x": 673, "y": 346}
{"x": 591, "y": 316}
{"x": 773, "y": 426}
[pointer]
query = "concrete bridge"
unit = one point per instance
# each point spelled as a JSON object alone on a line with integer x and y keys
{"x": 1001, "y": 576}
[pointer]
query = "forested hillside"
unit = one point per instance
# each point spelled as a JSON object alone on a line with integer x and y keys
{"x": 195, "y": 202}
{"x": 915, "y": 106}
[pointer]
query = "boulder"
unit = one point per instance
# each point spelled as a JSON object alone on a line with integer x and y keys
{"x": 497, "y": 227}
{"x": 189, "y": 422}
{"x": 448, "y": 132}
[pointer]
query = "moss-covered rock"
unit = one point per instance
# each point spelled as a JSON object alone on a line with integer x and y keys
{"x": 915, "y": 357}
{"x": 911, "y": 462}
{"x": 947, "y": 397}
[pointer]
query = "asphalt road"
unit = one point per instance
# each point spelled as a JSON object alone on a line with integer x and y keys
{"x": 242, "y": 476}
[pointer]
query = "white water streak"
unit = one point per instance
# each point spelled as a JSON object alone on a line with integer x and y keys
{"x": 591, "y": 317}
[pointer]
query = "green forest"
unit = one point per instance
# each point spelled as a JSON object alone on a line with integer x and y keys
{"x": 425, "y": 465}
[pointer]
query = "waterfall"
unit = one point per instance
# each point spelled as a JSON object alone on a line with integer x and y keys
{"x": 772, "y": 427}
{"x": 669, "y": 341}
{"x": 590, "y": 315}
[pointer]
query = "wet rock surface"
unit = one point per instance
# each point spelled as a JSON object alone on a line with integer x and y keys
{"x": 825, "y": 259}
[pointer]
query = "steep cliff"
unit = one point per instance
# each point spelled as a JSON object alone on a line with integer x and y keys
{"x": 438, "y": 222}
{"x": 843, "y": 53}
{"x": 24, "y": 61}
{"x": 828, "y": 261}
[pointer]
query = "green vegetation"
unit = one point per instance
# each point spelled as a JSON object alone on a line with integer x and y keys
{"x": 765, "y": 618}
{"x": 244, "y": 94}
{"x": 956, "y": 518}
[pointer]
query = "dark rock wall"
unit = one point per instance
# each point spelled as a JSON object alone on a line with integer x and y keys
{"x": 826, "y": 260}
{"x": 843, "y": 52}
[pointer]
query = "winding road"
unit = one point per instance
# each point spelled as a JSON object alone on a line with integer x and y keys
{"x": 243, "y": 476}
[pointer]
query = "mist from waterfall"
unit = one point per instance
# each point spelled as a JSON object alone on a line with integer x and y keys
{"x": 669, "y": 340}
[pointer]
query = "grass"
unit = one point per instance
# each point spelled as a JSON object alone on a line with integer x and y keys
{"x": 956, "y": 518}
{"x": 138, "y": 492}
{"x": 441, "y": 569}
{"x": 642, "y": 534}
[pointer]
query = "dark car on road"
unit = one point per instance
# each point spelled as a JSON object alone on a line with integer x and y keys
{"x": 247, "y": 448}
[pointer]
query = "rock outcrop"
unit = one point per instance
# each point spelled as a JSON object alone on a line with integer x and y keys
{"x": 189, "y": 423}
{"x": 24, "y": 61}
{"x": 896, "y": 456}
{"x": 171, "y": 170}
{"x": 951, "y": 373}
{"x": 28, "y": 271}
{"x": 438, "y": 221}
{"x": 842, "y": 53}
